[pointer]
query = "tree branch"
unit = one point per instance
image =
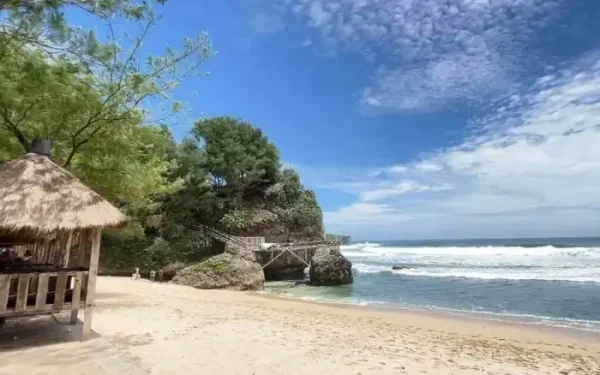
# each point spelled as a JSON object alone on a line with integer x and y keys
{"x": 15, "y": 130}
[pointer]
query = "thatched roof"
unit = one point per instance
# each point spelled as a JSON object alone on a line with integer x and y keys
{"x": 38, "y": 197}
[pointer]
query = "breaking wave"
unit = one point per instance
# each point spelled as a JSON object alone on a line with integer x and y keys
{"x": 576, "y": 264}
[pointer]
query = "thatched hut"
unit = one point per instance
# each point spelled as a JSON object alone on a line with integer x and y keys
{"x": 48, "y": 215}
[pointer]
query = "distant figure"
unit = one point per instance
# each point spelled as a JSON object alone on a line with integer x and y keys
{"x": 136, "y": 275}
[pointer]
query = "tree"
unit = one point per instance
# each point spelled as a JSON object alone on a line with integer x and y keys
{"x": 87, "y": 96}
{"x": 287, "y": 190}
{"x": 115, "y": 72}
{"x": 194, "y": 199}
{"x": 240, "y": 160}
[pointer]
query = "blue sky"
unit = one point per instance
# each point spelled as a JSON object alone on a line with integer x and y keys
{"x": 415, "y": 118}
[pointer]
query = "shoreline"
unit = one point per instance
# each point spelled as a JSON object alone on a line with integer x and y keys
{"x": 473, "y": 319}
{"x": 163, "y": 328}
{"x": 533, "y": 321}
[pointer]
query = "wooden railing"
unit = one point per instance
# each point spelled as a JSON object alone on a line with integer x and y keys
{"x": 301, "y": 245}
{"x": 231, "y": 242}
{"x": 32, "y": 293}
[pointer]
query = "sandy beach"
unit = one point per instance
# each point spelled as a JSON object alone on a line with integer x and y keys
{"x": 170, "y": 329}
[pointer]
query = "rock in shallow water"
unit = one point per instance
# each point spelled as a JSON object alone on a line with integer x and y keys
{"x": 330, "y": 267}
{"x": 224, "y": 271}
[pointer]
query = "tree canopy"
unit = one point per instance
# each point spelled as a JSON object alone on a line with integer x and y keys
{"x": 89, "y": 91}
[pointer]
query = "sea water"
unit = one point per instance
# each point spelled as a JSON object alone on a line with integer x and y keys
{"x": 537, "y": 281}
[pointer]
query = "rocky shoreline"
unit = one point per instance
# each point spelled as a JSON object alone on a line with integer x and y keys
{"x": 242, "y": 271}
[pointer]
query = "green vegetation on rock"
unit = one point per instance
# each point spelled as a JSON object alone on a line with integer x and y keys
{"x": 212, "y": 264}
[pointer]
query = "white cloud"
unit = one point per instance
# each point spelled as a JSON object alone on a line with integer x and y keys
{"x": 307, "y": 43}
{"x": 401, "y": 188}
{"x": 432, "y": 53}
{"x": 429, "y": 166}
{"x": 266, "y": 24}
{"x": 318, "y": 15}
{"x": 366, "y": 214}
{"x": 532, "y": 167}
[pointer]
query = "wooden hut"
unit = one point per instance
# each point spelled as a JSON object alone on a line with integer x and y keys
{"x": 53, "y": 222}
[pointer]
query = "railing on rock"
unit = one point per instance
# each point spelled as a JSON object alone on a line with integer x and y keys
{"x": 232, "y": 244}
{"x": 302, "y": 251}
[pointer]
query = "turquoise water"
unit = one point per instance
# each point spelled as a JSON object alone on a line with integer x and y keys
{"x": 547, "y": 281}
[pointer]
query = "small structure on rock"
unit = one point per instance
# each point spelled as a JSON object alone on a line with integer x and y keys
{"x": 329, "y": 267}
{"x": 332, "y": 268}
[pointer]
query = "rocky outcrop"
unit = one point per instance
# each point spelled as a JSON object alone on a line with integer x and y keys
{"x": 272, "y": 225}
{"x": 330, "y": 267}
{"x": 224, "y": 271}
{"x": 397, "y": 268}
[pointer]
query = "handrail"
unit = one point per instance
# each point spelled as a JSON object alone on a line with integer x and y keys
{"x": 219, "y": 236}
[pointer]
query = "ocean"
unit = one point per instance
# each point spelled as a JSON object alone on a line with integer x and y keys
{"x": 537, "y": 281}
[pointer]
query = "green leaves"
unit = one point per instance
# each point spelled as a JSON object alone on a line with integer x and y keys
{"x": 234, "y": 221}
{"x": 239, "y": 158}
{"x": 61, "y": 82}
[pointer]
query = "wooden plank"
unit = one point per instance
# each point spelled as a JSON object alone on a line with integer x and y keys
{"x": 59, "y": 295}
{"x": 83, "y": 235}
{"x": 302, "y": 260}
{"x": 67, "y": 254}
{"x": 42, "y": 291}
{"x": 91, "y": 287}
{"x": 22, "y": 290}
{"x": 273, "y": 259}
{"x": 76, "y": 300}
{"x": 4, "y": 289}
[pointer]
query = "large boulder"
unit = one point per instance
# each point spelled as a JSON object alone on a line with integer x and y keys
{"x": 330, "y": 267}
{"x": 224, "y": 271}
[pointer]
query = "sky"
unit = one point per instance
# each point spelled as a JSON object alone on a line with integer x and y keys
{"x": 414, "y": 119}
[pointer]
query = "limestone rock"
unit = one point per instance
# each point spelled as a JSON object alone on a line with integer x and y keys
{"x": 330, "y": 267}
{"x": 224, "y": 271}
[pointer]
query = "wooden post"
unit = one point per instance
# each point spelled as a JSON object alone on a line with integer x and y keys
{"x": 42, "y": 292}
{"x": 4, "y": 292}
{"x": 80, "y": 263}
{"x": 91, "y": 287}
{"x": 76, "y": 299}
{"x": 23, "y": 288}
{"x": 59, "y": 292}
{"x": 67, "y": 253}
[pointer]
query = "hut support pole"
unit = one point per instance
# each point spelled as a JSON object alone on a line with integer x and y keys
{"x": 80, "y": 263}
{"x": 68, "y": 250}
{"x": 91, "y": 287}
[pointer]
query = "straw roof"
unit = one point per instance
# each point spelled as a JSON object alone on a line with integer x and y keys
{"x": 38, "y": 197}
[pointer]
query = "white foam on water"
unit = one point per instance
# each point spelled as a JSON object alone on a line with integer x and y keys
{"x": 358, "y": 246}
{"x": 547, "y": 274}
{"x": 582, "y": 324}
{"x": 578, "y": 264}
{"x": 482, "y": 251}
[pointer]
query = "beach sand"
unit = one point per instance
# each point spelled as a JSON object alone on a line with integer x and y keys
{"x": 170, "y": 329}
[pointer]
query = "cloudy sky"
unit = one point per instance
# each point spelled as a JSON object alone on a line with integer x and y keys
{"x": 417, "y": 118}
